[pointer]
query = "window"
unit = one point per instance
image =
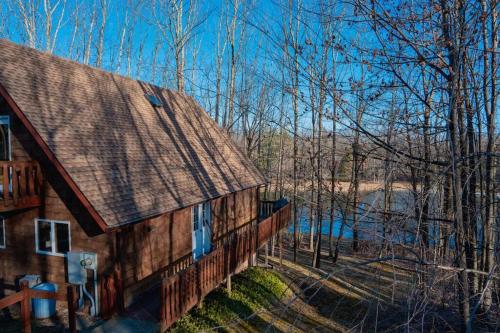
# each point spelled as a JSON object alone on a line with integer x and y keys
{"x": 196, "y": 217}
{"x": 206, "y": 214}
{"x": 202, "y": 230}
{"x": 2, "y": 232}
{"x": 52, "y": 237}
{"x": 4, "y": 138}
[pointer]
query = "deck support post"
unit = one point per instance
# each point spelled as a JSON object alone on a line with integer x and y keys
{"x": 266, "y": 260}
{"x": 228, "y": 284}
{"x": 253, "y": 247}
{"x": 200, "y": 302}
{"x": 273, "y": 238}
{"x": 228, "y": 266}
{"x": 26, "y": 308}
{"x": 71, "y": 292}
{"x": 280, "y": 240}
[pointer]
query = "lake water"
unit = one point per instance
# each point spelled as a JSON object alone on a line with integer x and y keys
{"x": 304, "y": 225}
{"x": 370, "y": 226}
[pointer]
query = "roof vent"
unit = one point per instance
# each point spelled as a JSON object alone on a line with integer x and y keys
{"x": 155, "y": 101}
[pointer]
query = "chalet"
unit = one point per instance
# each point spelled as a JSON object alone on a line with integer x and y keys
{"x": 138, "y": 176}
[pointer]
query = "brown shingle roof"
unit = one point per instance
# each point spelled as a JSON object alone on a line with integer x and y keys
{"x": 129, "y": 159}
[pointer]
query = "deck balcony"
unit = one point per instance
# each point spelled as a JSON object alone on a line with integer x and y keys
{"x": 185, "y": 288}
{"x": 20, "y": 185}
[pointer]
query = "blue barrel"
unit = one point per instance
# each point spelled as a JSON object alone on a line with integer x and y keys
{"x": 44, "y": 308}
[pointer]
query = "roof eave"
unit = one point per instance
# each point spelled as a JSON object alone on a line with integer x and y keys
{"x": 119, "y": 226}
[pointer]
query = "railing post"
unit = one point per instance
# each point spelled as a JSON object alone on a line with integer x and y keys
{"x": 22, "y": 182}
{"x": 15, "y": 185}
{"x": 198, "y": 281}
{"x": 163, "y": 302}
{"x": 31, "y": 179}
{"x": 71, "y": 308}
{"x": 39, "y": 178}
{"x": 5, "y": 183}
{"x": 26, "y": 307}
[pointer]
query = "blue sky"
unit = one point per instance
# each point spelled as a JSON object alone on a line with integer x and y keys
{"x": 258, "y": 52}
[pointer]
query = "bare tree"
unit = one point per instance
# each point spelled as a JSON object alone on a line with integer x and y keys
{"x": 103, "y": 4}
{"x": 177, "y": 20}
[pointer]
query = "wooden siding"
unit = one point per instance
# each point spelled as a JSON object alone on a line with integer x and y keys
{"x": 164, "y": 244}
{"x": 233, "y": 211}
{"x": 150, "y": 246}
{"x": 19, "y": 256}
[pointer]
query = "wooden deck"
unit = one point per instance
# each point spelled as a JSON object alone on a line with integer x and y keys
{"x": 182, "y": 291}
{"x": 20, "y": 185}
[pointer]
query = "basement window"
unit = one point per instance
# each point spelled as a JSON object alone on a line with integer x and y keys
{"x": 155, "y": 101}
{"x": 52, "y": 237}
{"x": 2, "y": 232}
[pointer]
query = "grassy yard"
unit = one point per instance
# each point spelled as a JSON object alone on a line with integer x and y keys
{"x": 252, "y": 291}
{"x": 293, "y": 297}
{"x": 296, "y": 298}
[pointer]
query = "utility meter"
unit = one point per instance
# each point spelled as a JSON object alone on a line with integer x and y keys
{"x": 78, "y": 265}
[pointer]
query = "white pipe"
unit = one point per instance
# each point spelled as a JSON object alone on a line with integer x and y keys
{"x": 96, "y": 291}
{"x": 80, "y": 300}
{"x": 92, "y": 302}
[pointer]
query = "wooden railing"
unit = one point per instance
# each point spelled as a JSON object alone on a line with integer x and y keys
{"x": 21, "y": 184}
{"x": 179, "y": 265}
{"x": 266, "y": 208}
{"x": 182, "y": 291}
{"x": 274, "y": 223}
{"x": 26, "y": 294}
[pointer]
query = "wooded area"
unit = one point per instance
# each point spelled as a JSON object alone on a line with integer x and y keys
{"x": 333, "y": 100}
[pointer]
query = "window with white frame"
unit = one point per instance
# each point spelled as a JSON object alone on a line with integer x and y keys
{"x": 196, "y": 217}
{"x": 52, "y": 237}
{"x": 2, "y": 232}
{"x": 207, "y": 216}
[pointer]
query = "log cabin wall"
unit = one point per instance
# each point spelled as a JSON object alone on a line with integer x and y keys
{"x": 146, "y": 249}
{"x": 151, "y": 247}
{"x": 19, "y": 256}
{"x": 233, "y": 211}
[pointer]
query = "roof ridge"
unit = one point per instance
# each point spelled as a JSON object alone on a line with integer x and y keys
{"x": 93, "y": 68}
